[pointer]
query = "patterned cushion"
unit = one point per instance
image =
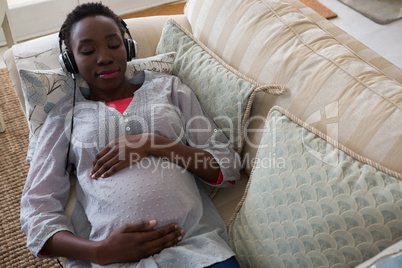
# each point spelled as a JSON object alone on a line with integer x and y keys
{"x": 225, "y": 94}
{"x": 310, "y": 204}
{"x": 43, "y": 88}
{"x": 284, "y": 42}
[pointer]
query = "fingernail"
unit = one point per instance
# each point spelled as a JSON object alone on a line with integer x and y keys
{"x": 180, "y": 238}
{"x": 152, "y": 222}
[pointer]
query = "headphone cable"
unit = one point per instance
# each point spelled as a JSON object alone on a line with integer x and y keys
{"x": 72, "y": 120}
{"x": 58, "y": 261}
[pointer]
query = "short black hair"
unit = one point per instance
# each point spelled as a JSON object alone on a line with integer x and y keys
{"x": 83, "y": 11}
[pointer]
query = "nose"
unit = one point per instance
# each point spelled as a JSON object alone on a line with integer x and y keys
{"x": 104, "y": 57}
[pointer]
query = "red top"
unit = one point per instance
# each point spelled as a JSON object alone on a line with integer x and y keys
{"x": 119, "y": 105}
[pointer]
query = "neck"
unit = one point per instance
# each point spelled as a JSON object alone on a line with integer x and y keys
{"x": 125, "y": 91}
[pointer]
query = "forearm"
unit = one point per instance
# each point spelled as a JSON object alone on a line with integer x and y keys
{"x": 197, "y": 161}
{"x": 66, "y": 244}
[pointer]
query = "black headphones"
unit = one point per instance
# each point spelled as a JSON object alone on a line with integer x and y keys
{"x": 68, "y": 64}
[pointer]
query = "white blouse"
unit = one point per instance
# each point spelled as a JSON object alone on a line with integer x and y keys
{"x": 152, "y": 188}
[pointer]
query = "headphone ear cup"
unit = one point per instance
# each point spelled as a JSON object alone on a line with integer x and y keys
{"x": 131, "y": 48}
{"x": 67, "y": 62}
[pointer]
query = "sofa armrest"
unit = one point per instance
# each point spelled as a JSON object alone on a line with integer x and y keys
{"x": 146, "y": 31}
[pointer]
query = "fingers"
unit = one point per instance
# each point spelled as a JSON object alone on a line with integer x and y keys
{"x": 102, "y": 152}
{"x": 106, "y": 164}
{"x": 139, "y": 226}
{"x": 119, "y": 154}
{"x": 109, "y": 168}
{"x": 133, "y": 242}
{"x": 116, "y": 167}
{"x": 112, "y": 158}
{"x": 154, "y": 241}
{"x": 165, "y": 236}
{"x": 152, "y": 234}
{"x": 100, "y": 159}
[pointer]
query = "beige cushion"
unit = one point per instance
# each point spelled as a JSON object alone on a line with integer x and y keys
{"x": 328, "y": 85}
{"x": 225, "y": 94}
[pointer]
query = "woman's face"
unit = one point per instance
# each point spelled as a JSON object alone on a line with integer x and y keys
{"x": 100, "y": 54}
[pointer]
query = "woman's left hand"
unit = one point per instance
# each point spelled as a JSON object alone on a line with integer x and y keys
{"x": 127, "y": 150}
{"x": 119, "y": 154}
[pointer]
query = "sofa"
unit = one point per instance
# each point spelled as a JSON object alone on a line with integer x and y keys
{"x": 314, "y": 114}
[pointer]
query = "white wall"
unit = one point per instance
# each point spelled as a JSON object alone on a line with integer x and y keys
{"x": 41, "y": 17}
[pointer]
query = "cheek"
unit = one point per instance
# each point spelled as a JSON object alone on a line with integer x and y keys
{"x": 84, "y": 66}
{"x": 123, "y": 55}
{"x": 123, "y": 63}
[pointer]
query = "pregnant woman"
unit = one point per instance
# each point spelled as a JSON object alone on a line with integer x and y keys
{"x": 141, "y": 150}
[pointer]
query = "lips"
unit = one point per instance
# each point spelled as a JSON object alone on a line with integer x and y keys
{"x": 109, "y": 74}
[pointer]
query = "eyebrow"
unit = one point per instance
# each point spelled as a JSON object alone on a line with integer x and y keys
{"x": 90, "y": 40}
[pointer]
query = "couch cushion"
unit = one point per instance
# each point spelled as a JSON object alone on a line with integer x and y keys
{"x": 328, "y": 84}
{"x": 225, "y": 94}
{"x": 310, "y": 202}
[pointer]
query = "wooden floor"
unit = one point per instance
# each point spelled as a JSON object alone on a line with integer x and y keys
{"x": 168, "y": 9}
{"x": 386, "y": 40}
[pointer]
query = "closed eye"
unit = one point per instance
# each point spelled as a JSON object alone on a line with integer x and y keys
{"x": 116, "y": 46}
{"x": 87, "y": 52}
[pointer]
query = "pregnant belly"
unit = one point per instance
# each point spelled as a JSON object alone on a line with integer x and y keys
{"x": 151, "y": 189}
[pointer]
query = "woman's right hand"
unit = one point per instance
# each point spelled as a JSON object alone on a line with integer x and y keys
{"x": 133, "y": 242}
{"x": 129, "y": 243}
